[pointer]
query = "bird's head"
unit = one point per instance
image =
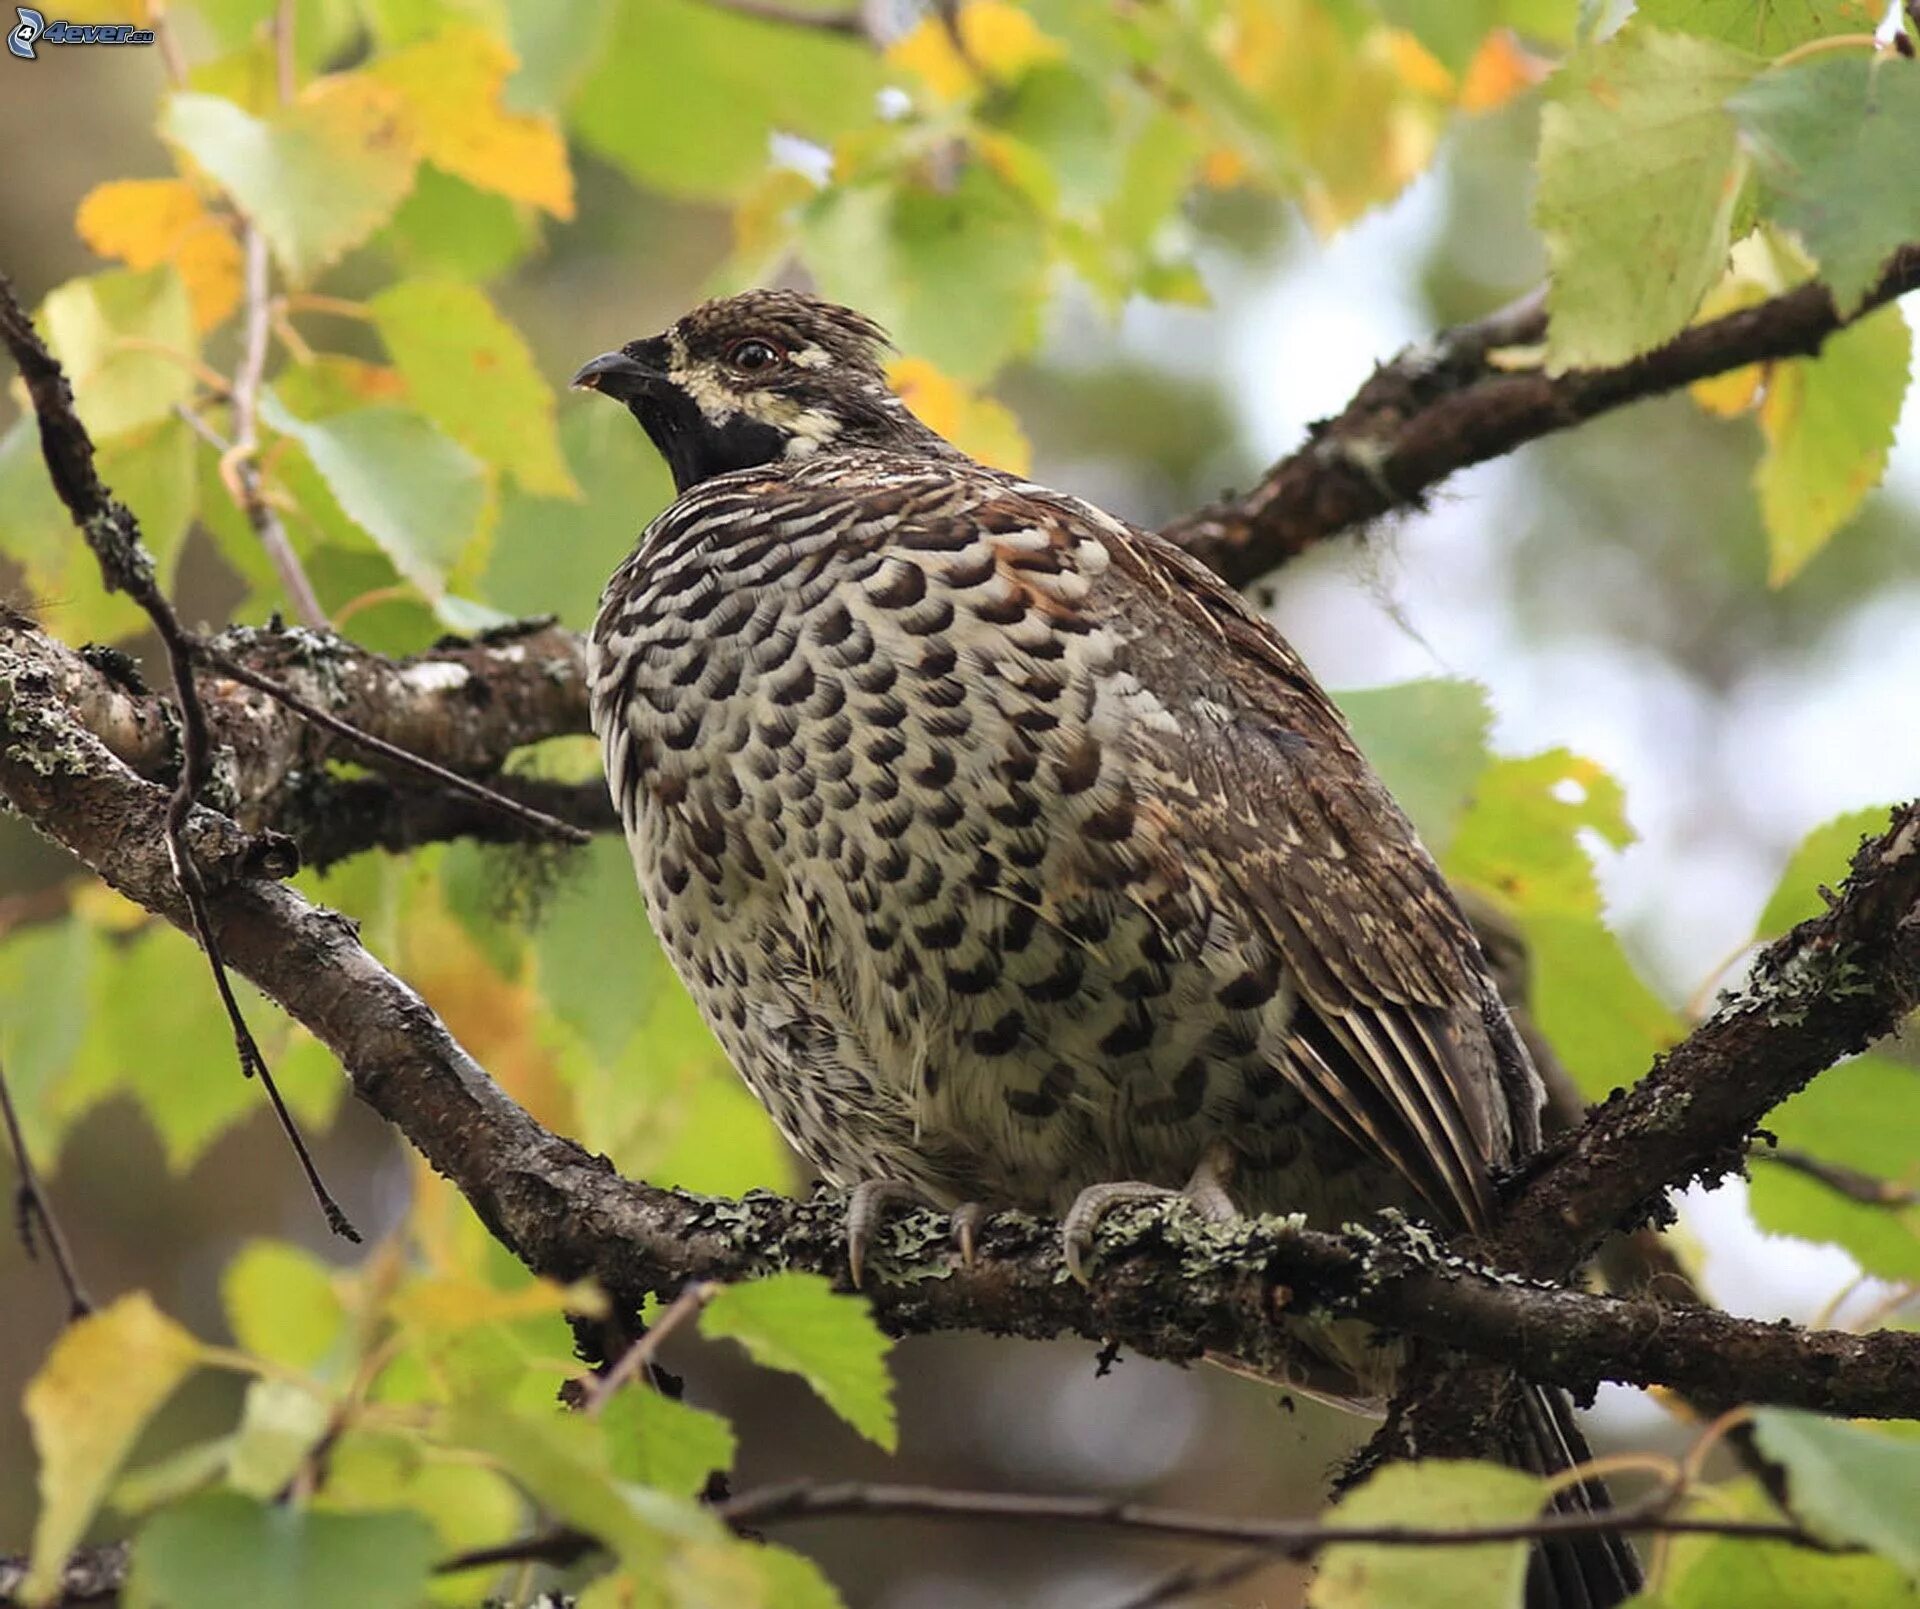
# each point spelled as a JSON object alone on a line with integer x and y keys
{"x": 756, "y": 378}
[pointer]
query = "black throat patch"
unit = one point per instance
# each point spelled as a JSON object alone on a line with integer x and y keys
{"x": 695, "y": 448}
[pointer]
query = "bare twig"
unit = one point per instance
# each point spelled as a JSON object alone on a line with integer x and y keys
{"x": 31, "y": 1207}
{"x": 1185, "y": 1580}
{"x": 1453, "y": 402}
{"x": 114, "y": 535}
{"x": 1290, "y": 1539}
{"x": 283, "y": 57}
{"x": 549, "y": 826}
{"x": 240, "y": 464}
{"x": 1869, "y": 1189}
{"x": 835, "y": 22}
{"x": 640, "y": 1354}
{"x": 1298, "y": 1540}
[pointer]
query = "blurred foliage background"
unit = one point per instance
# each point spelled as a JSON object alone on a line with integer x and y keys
{"x": 1619, "y": 679}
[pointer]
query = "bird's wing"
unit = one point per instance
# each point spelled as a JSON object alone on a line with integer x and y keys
{"x": 1399, "y": 1037}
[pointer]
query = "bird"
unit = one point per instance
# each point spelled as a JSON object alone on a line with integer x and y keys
{"x": 1015, "y": 860}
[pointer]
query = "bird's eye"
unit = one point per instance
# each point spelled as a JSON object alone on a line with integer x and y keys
{"x": 753, "y": 354}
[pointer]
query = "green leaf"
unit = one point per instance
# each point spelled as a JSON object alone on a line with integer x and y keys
{"x": 1821, "y": 861}
{"x": 1604, "y": 1023}
{"x": 1063, "y": 116}
{"x": 655, "y": 1441}
{"x": 1846, "y": 1482}
{"x": 1436, "y": 1493}
{"x": 103, "y": 1379}
{"x": 687, "y": 96}
{"x": 529, "y": 572}
{"x": 128, "y": 344}
{"x": 799, "y": 1323}
{"x": 956, "y": 274}
{"x": 156, "y": 1032}
{"x": 1765, "y": 27}
{"x": 280, "y": 1424}
{"x": 1428, "y": 741}
{"x": 45, "y": 972}
{"x": 447, "y": 226}
{"x": 558, "y": 42}
{"x": 422, "y": 497}
{"x": 562, "y": 1463}
{"x": 1828, "y": 423}
{"x": 222, "y": 1547}
{"x": 469, "y": 371}
{"x": 281, "y": 1303}
{"x": 1640, "y": 173}
{"x": 595, "y": 913}
{"x": 1451, "y": 29}
{"x": 1828, "y": 137}
{"x": 468, "y": 1505}
{"x": 1520, "y": 839}
{"x": 1863, "y": 1115}
{"x": 150, "y": 468}
{"x": 318, "y": 177}
{"x": 793, "y": 1581}
{"x": 1746, "y": 1573}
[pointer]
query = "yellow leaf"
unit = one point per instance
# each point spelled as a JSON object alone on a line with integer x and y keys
{"x": 453, "y": 82}
{"x": 455, "y": 1302}
{"x": 1737, "y": 390}
{"x": 1501, "y": 69}
{"x": 146, "y": 222}
{"x": 1418, "y": 68}
{"x": 975, "y": 424}
{"x": 1000, "y": 40}
{"x": 1222, "y": 168}
{"x": 103, "y": 1380}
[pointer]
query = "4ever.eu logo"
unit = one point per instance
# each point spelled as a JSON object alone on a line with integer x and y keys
{"x": 33, "y": 29}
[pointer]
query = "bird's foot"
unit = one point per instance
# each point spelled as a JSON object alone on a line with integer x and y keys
{"x": 1206, "y": 1192}
{"x": 872, "y": 1199}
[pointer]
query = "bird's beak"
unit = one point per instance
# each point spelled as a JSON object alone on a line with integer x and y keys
{"x": 616, "y": 375}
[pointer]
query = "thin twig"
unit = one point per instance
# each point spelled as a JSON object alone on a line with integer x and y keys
{"x": 283, "y": 58}
{"x": 834, "y": 22}
{"x": 1298, "y": 1540}
{"x": 113, "y": 533}
{"x": 1457, "y": 400}
{"x": 559, "y": 1546}
{"x": 1200, "y": 1576}
{"x": 1869, "y": 1189}
{"x": 640, "y": 1354}
{"x": 31, "y": 1206}
{"x": 1284, "y": 1538}
{"x": 227, "y": 665}
{"x": 240, "y": 463}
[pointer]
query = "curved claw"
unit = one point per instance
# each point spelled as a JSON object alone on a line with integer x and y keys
{"x": 1089, "y": 1207}
{"x": 967, "y": 1219}
{"x": 866, "y": 1207}
{"x": 1206, "y": 1192}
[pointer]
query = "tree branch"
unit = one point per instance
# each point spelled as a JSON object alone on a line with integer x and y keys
{"x": 470, "y": 705}
{"x": 1828, "y": 989}
{"x": 1168, "y": 1287}
{"x": 1450, "y": 403}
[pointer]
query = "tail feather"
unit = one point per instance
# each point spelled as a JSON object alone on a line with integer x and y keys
{"x": 1592, "y": 1571}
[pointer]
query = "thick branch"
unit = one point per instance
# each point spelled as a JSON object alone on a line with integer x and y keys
{"x": 1167, "y": 1287}
{"x": 1828, "y": 989}
{"x": 468, "y": 705}
{"x": 1448, "y": 404}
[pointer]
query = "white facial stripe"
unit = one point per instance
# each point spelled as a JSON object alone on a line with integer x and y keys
{"x": 811, "y": 357}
